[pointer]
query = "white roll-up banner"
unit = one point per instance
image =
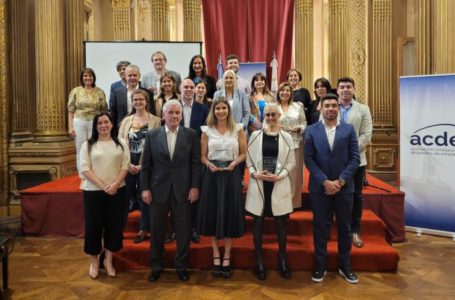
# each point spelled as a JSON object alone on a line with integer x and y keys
{"x": 427, "y": 151}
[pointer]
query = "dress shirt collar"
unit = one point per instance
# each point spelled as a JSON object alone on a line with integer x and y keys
{"x": 167, "y": 129}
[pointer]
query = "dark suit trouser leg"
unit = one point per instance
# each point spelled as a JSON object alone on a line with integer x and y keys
{"x": 342, "y": 204}
{"x": 158, "y": 221}
{"x": 357, "y": 206}
{"x": 320, "y": 203}
{"x": 181, "y": 211}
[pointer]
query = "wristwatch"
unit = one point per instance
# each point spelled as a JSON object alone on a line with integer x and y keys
{"x": 342, "y": 181}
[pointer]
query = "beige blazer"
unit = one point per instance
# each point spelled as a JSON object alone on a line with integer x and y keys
{"x": 360, "y": 118}
{"x": 281, "y": 194}
{"x": 154, "y": 122}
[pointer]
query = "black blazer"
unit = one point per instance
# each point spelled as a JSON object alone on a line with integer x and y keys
{"x": 199, "y": 113}
{"x": 159, "y": 173}
{"x": 118, "y": 104}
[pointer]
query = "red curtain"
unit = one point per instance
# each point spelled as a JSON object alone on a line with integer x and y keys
{"x": 252, "y": 29}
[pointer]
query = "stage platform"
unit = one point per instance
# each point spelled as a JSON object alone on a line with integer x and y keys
{"x": 56, "y": 208}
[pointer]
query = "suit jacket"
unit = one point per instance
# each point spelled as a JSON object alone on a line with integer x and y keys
{"x": 159, "y": 173}
{"x": 324, "y": 163}
{"x": 114, "y": 86}
{"x": 118, "y": 104}
{"x": 199, "y": 113}
{"x": 281, "y": 193}
{"x": 360, "y": 118}
{"x": 240, "y": 108}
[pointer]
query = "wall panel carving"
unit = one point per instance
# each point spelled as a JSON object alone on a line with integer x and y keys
{"x": 74, "y": 41}
{"x": 192, "y": 20}
{"x": 4, "y": 106}
{"x": 338, "y": 37}
{"x": 304, "y": 41}
{"x": 121, "y": 10}
{"x": 143, "y": 16}
{"x": 443, "y": 36}
{"x": 423, "y": 37}
{"x": 160, "y": 20}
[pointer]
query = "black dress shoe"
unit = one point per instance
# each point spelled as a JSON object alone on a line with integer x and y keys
{"x": 170, "y": 238}
{"x": 195, "y": 238}
{"x": 284, "y": 269}
{"x": 139, "y": 238}
{"x": 318, "y": 274}
{"x": 226, "y": 271}
{"x": 260, "y": 271}
{"x": 216, "y": 269}
{"x": 183, "y": 275}
{"x": 154, "y": 276}
{"x": 347, "y": 274}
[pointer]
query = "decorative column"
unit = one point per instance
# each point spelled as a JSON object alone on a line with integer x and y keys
{"x": 4, "y": 108}
{"x": 143, "y": 19}
{"x": 383, "y": 151}
{"x": 423, "y": 37}
{"x": 381, "y": 63}
{"x": 304, "y": 41}
{"x": 74, "y": 41}
{"x": 338, "y": 39}
{"x": 192, "y": 20}
{"x": 160, "y": 20}
{"x": 22, "y": 74}
{"x": 121, "y": 19}
{"x": 50, "y": 91}
{"x": 357, "y": 47}
{"x": 443, "y": 36}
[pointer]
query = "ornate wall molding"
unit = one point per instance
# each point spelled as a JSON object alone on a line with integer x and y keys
{"x": 304, "y": 41}
{"x": 143, "y": 16}
{"x": 358, "y": 47}
{"x": 192, "y": 20}
{"x": 443, "y": 36}
{"x": 160, "y": 20}
{"x": 381, "y": 74}
{"x": 423, "y": 37}
{"x": 74, "y": 41}
{"x": 338, "y": 37}
{"x": 121, "y": 10}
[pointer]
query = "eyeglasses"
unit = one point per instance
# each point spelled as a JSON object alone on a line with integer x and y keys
{"x": 273, "y": 115}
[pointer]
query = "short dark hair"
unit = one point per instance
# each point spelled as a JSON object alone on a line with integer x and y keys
{"x": 346, "y": 79}
{"x": 329, "y": 96}
{"x": 122, "y": 63}
{"x": 232, "y": 56}
{"x": 90, "y": 71}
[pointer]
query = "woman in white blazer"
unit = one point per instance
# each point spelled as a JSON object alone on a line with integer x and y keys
{"x": 270, "y": 159}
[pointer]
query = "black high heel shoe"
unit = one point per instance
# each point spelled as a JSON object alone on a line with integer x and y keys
{"x": 226, "y": 271}
{"x": 216, "y": 269}
{"x": 284, "y": 269}
{"x": 260, "y": 271}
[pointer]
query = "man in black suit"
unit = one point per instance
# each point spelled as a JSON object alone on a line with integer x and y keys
{"x": 120, "y": 103}
{"x": 194, "y": 113}
{"x": 170, "y": 179}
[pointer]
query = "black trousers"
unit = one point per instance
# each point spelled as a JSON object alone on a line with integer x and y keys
{"x": 181, "y": 214}
{"x": 258, "y": 230}
{"x": 103, "y": 216}
{"x": 357, "y": 206}
{"x": 342, "y": 205}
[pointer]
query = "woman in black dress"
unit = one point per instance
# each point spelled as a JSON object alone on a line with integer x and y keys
{"x": 198, "y": 72}
{"x": 270, "y": 158}
{"x": 221, "y": 213}
{"x": 299, "y": 94}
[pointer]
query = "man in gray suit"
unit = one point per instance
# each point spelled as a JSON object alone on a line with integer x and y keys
{"x": 151, "y": 80}
{"x": 170, "y": 179}
{"x": 359, "y": 116}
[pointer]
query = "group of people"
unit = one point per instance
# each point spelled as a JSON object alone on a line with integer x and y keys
{"x": 182, "y": 147}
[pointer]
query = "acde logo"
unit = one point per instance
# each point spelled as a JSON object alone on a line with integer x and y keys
{"x": 436, "y": 135}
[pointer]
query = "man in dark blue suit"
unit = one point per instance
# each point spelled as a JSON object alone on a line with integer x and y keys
{"x": 332, "y": 156}
{"x": 121, "y": 66}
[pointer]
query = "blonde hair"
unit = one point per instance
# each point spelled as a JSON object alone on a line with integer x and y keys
{"x": 212, "y": 121}
{"x": 234, "y": 76}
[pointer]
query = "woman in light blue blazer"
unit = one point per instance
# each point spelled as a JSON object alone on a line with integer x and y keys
{"x": 236, "y": 98}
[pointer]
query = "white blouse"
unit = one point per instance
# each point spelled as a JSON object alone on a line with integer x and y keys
{"x": 222, "y": 147}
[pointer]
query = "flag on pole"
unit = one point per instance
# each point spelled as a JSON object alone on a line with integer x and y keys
{"x": 274, "y": 81}
{"x": 219, "y": 67}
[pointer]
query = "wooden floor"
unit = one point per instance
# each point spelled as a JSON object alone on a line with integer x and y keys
{"x": 48, "y": 268}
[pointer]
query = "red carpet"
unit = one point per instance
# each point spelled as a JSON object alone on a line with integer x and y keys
{"x": 376, "y": 255}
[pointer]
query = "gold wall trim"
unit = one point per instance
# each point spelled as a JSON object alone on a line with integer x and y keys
{"x": 143, "y": 19}
{"x": 304, "y": 41}
{"x": 380, "y": 86}
{"x": 160, "y": 20}
{"x": 443, "y": 36}
{"x": 192, "y": 20}
{"x": 121, "y": 10}
{"x": 423, "y": 37}
{"x": 338, "y": 39}
{"x": 4, "y": 106}
{"x": 74, "y": 41}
